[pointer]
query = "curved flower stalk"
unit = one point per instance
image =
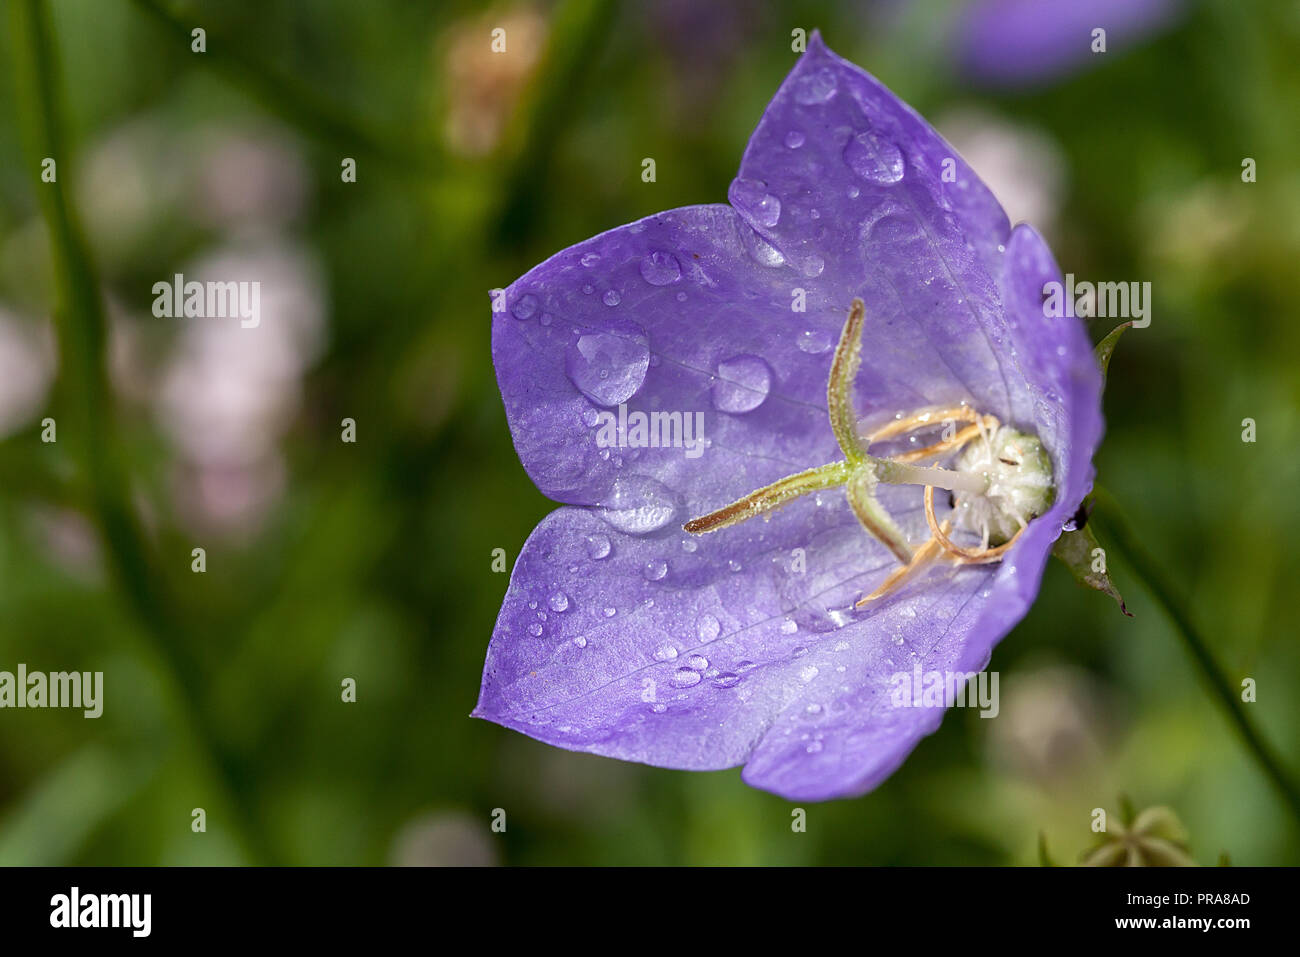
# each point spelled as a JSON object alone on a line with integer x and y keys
{"x": 751, "y": 551}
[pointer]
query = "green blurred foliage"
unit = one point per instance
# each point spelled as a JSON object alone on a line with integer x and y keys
{"x": 372, "y": 560}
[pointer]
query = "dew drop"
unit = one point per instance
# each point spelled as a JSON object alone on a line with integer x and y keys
{"x": 813, "y": 266}
{"x": 598, "y": 547}
{"x": 750, "y": 197}
{"x": 658, "y": 707}
{"x": 590, "y": 259}
{"x": 638, "y": 505}
{"x": 697, "y": 662}
{"x": 559, "y": 601}
{"x": 580, "y": 641}
{"x": 611, "y": 612}
{"x": 814, "y": 88}
{"x": 726, "y": 679}
{"x": 686, "y": 678}
{"x": 655, "y": 569}
{"x": 707, "y": 628}
{"x": 609, "y": 367}
{"x": 535, "y": 630}
{"x": 794, "y": 139}
{"x": 809, "y": 672}
{"x": 660, "y": 269}
{"x": 813, "y": 341}
{"x": 666, "y": 653}
{"x": 611, "y": 298}
{"x": 742, "y": 384}
{"x": 526, "y": 307}
{"x": 788, "y": 627}
{"x": 874, "y": 158}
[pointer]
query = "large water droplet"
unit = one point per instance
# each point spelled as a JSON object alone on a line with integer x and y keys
{"x": 608, "y": 367}
{"x": 750, "y": 196}
{"x": 814, "y": 341}
{"x": 742, "y": 384}
{"x": 526, "y": 307}
{"x": 660, "y": 269}
{"x": 726, "y": 679}
{"x": 686, "y": 678}
{"x": 874, "y": 158}
{"x": 655, "y": 569}
{"x": 559, "y": 601}
{"x": 598, "y": 546}
{"x": 638, "y": 505}
{"x": 763, "y": 252}
{"x": 535, "y": 630}
{"x": 611, "y": 297}
{"x": 814, "y": 88}
{"x": 707, "y": 628}
{"x": 666, "y": 653}
{"x": 697, "y": 662}
{"x": 794, "y": 139}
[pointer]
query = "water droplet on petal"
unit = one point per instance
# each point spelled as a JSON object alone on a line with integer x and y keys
{"x": 526, "y": 307}
{"x": 874, "y": 158}
{"x": 813, "y": 266}
{"x": 794, "y": 139}
{"x": 660, "y": 269}
{"x": 598, "y": 546}
{"x": 609, "y": 367}
{"x": 638, "y": 505}
{"x": 814, "y": 88}
{"x": 788, "y": 627}
{"x": 666, "y": 653}
{"x": 697, "y": 662}
{"x": 808, "y": 673}
{"x": 535, "y": 630}
{"x": 580, "y": 641}
{"x": 750, "y": 197}
{"x": 655, "y": 569}
{"x": 611, "y": 298}
{"x": 742, "y": 384}
{"x": 814, "y": 341}
{"x": 686, "y": 678}
{"x": 658, "y": 708}
{"x": 726, "y": 679}
{"x": 707, "y": 628}
{"x": 590, "y": 259}
{"x": 559, "y": 601}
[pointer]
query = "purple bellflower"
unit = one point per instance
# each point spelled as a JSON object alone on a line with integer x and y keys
{"x": 747, "y": 409}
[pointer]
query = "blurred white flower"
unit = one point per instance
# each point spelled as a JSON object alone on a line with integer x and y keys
{"x": 1052, "y": 724}
{"x": 1023, "y": 166}
{"x": 228, "y": 393}
{"x": 248, "y": 182}
{"x": 450, "y": 839}
{"x": 27, "y": 364}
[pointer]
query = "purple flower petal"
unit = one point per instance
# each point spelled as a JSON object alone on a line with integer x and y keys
{"x": 624, "y": 636}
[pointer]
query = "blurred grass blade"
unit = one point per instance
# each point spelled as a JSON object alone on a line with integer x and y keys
{"x": 86, "y": 402}
{"x": 295, "y": 102}
{"x": 1175, "y": 606}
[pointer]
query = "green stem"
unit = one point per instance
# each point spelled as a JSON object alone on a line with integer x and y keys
{"x": 85, "y": 399}
{"x": 1148, "y": 569}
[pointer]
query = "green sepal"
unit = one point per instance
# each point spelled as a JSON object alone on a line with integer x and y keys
{"x": 1075, "y": 549}
{"x": 1107, "y": 346}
